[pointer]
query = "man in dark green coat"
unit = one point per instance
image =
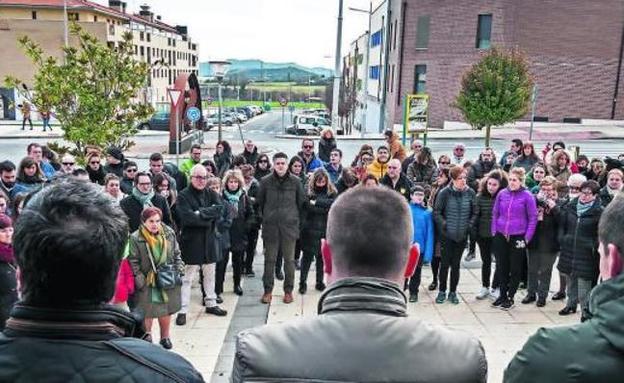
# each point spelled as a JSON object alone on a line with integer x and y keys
{"x": 591, "y": 351}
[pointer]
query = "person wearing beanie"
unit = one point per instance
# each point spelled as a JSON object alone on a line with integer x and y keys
{"x": 153, "y": 247}
{"x": 114, "y": 161}
{"x": 8, "y": 278}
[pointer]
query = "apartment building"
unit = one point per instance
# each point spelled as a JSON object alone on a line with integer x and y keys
{"x": 168, "y": 49}
{"x": 574, "y": 47}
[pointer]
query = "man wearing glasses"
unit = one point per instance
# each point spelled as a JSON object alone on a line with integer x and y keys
{"x": 308, "y": 156}
{"x": 68, "y": 164}
{"x": 458, "y": 154}
{"x": 129, "y": 173}
{"x": 36, "y": 153}
{"x": 186, "y": 166}
{"x": 198, "y": 209}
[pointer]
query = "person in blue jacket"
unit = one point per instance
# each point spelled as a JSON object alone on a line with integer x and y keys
{"x": 422, "y": 219}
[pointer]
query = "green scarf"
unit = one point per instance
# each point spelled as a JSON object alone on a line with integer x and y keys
{"x": 144, "y": 199}
{"x": 581, "y": 208}
{"x": 157, "y": 249}
{"x": 233, "y": 198}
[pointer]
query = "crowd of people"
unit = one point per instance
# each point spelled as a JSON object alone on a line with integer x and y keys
{"x": 524, "y": 212}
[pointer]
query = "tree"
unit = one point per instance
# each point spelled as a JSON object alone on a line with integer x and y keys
{"x": 94, "y": 93}
{"x": 496, "y": 90}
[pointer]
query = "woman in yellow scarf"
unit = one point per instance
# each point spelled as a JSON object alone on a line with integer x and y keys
{"x": 151, "y": 246}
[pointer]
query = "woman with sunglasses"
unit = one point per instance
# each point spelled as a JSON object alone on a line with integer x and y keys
{"x": 95, "y": 168}
{"x": 263, "y": 167}
{"x": 129, "y": 172}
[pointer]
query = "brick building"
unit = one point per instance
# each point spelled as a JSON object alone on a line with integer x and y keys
{"x": 574, "y": 48}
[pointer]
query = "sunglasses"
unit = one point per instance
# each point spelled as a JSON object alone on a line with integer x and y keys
{"x": 131, "y": 170}
{"x": 308, "y": 146}
{"x": 263, "y": 161}
{"x": 459, "y": 149}
{"x": 94, "y": 162}
{"x": 68, "y": 163}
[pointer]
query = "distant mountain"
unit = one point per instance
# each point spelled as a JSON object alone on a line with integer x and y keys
{"x": 255, "y": 69}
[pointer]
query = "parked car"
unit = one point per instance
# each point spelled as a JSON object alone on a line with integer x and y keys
{"x": 247, "y": 111}
{"x": 307, "y": 124}
{"x": 226, "y": 119}
{"x": 160, "y": 121}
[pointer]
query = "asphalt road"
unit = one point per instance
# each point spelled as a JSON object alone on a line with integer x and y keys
{"x": 264, "y": 128}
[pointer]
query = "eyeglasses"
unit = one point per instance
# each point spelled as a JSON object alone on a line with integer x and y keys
{"x": 587, "y": 193}
{"x": 459, "y": 149}
{"x": 200, "y": 178}
{"x": 308, "y": 146}
{"x": 68, "y": 163}
{"x": 131, "y": 170}
{"x": 94, "y": 162}
{"x": 263, "y": 161}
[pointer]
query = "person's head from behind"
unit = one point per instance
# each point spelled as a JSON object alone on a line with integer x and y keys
{"x": 79, "y": 174}
{"x": 280, "y": 163}
{"x": 69, "y": 241}
{"x": 611, "y": 238}
{"x": 364, "y": 250}
{"x": 370, "y": 181}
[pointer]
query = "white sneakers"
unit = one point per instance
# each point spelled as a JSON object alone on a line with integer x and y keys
{"x": 495, "y": 293}
{"x": 483, "y": 293}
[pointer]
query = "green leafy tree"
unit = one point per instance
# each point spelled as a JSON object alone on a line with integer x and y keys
{"x": 94, "y": 92}
{"x": 496, "y": 90}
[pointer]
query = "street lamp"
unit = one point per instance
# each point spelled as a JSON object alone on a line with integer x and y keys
{"x": 370, "y": 15}
{"x": 337, "y": 72}
{"x": 219, "y": 69}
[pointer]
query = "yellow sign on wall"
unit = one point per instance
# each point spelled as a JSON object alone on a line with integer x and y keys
{"x": 416, "y": 114}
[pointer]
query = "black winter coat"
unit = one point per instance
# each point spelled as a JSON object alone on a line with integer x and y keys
{"x": 483, "y": 205}
{"x": 325, "y": 147}
{"x": 477, "y": 171}
{"x": 605, "y": 197}
{"x": 252, "y": 193}
{"x": 223, "y": 162}
{"x": 250, "y": 158}
{"x": 114, "y": 169}
{"x": 315, "y": 223}
{"x": 198, "y": 212}
{"x": 133, "y": 208}
{"x": 403, "y": 185}
{"x": 126, "y": 185}
{"x": 8, "y": 291}
{"x": 578, "y": 237}
{"x": 241, "y": 219}
{"x": 546, "y": 238}
{"x": 454, "y": 213}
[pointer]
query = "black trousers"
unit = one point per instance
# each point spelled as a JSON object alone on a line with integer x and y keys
{"x": 237, "y": 268}
{"x": 451, "y": 258}
{"x": 485, "y": 247}
{"x": 435, "y": 262}
{"x": 510, "y": 254}
{"x": 540, "y": 272}
{"x": 306, "y": 261}
{"x": 414, "y": 281}
{"x": 250, "y": 252}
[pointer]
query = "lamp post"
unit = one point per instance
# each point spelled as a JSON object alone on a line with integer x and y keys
{"x": 219, "y": 69}
{"x": 370, "y": 15}
{"x": 337, "y": 72}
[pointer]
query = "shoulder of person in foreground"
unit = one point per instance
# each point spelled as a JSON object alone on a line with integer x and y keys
{"x": 165, "y": 362}
{"x": 557, "y": 354}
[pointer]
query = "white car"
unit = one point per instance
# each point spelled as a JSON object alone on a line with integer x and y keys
{"x": 307, "y": 125}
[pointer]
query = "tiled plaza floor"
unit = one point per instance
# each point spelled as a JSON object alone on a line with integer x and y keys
{"x": 501, "y": 332}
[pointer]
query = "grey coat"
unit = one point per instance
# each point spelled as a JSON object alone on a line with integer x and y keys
{"x": 139, "y": 259}
{"x": 280, "y": 202}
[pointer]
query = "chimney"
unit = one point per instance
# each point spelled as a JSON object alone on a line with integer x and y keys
{"x": 117, "y": 5}
{"x": 146, "y": 14}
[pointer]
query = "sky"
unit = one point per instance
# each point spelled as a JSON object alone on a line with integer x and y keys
{"x": 301, "y": 31}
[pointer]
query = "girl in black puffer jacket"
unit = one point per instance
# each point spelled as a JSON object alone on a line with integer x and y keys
{"x": 321, "y": 195}
{"x": 489, "y": 186}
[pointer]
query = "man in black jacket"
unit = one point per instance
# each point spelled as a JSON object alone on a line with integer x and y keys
{"x": 63, "y": 328}
{"x": 142, "y": 196}
{"x": 280, "y": 202}
{"x": 250, "y": 153}
{"x": 198, "y": 209}
{"x": 396, "y": 180}
{"x": 481, "y": 167}
{"x": 363, "y": 332}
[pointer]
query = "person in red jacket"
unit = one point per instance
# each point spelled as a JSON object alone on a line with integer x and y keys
{"x": 124, "y": 286}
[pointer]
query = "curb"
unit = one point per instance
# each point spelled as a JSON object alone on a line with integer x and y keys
{"x": 60, "y": 136}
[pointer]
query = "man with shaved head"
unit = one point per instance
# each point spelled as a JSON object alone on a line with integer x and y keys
{"x": 397, "y": 180}
{"x": 363, "y": 332}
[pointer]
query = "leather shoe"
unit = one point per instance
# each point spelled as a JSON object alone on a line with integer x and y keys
{"x": 413, "y": 297}
{"x": 541, "y": 302}
{"x": 166, "y": 343}
{"x": 558, "y": 296}
{"x": 528, "y": 299}
{"x": 433, "y": 286}
{"x": 303, "y": 288}
{"x": 216, "y": 310}
{"x": 320, "y": 286}
{"x": 219, "y": 299}
{"x": 567, "y": 311}
{"x": 181, "y": 319}
{"x": 288, "y": 298}
{"x": 266, "y": 298}
{"x": 238, "y": 290}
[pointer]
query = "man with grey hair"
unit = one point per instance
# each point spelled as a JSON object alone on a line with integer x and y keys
{"x": 363, "y": 332}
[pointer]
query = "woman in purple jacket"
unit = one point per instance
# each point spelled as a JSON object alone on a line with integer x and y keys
{"x": 514, "y": 218}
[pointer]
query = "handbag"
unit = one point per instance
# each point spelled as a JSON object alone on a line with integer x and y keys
{"x": 167, "y": 276}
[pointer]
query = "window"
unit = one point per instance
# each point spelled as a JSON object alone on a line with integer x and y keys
{"x": 73, "y": 16}
{"x": 142, "y": 50}
{"x": 376, "y": 38}
{"x": 422, "y": 32}
{"x": 360, "y": 58}
{"x": 149, "y": 37}
{"x": 95, "y": 18}
{"x": 34, "y": 15}
{"x": 420, "y": 79}
{"x": 374, "y": 72}
{"x": 396, "y": 30}
{"x": 142, "y": 36}
{"x": 392, "y": 79}
{"x": 390, "y": 34}
{"x": 484, "y": 31}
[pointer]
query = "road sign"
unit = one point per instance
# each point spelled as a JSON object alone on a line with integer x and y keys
{"x": 209, "y": 100}
{"x": 174, "y": 96}
{"x": 283, "y": 101}
{"x": 193, "y": 114}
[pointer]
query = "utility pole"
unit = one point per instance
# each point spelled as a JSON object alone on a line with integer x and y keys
{"x": 65, "y": 31}
{"x": 533, "y": 102}
{"x": 337, "y": 72}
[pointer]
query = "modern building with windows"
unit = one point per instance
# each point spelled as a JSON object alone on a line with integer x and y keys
{"x": 574, "y": 47}
{"x": 168, "y": 49}
{"x": 375, "y": 90}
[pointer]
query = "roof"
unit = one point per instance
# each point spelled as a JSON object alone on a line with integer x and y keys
{"x": 85, "y": 4}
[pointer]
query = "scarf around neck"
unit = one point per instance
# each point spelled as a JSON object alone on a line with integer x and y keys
{"x": 157, "y": 249}
{"x": 233, "y": 198}
{"x": 144, "y": 199}
{"x": 582, "y": 208}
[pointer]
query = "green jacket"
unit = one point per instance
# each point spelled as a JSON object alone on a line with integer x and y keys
{"x": 586, "y": 352}
{"x": 186, "y": 166}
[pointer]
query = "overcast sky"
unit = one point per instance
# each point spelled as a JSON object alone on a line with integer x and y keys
{"x": 301, "y": 31}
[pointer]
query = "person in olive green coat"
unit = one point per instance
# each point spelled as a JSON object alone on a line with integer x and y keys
{"x": 152, "y": 246}
{"x": 590, "y": 351}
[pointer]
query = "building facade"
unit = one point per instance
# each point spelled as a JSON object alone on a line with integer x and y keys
{"x": 574, "y": 49}
{"x": 167, "y": 49}
{"x": 375, "y": 97}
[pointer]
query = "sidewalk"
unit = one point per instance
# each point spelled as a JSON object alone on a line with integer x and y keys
{"x": 13, "y": 130}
